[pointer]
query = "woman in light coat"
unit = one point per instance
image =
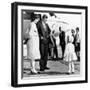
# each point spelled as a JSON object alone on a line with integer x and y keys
{"x": 33, "y": 51}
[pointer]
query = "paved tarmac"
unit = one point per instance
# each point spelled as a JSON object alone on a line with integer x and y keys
{"x": 57, "y": 67}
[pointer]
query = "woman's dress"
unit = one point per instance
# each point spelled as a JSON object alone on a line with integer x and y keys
{"x": 33, "y": 51}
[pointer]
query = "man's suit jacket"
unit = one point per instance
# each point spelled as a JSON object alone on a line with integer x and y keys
{"x": 43, "y": 34}
{"x": 62, "y": 38}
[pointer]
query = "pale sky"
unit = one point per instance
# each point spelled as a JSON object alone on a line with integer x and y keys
{"x": 73, "y": 20}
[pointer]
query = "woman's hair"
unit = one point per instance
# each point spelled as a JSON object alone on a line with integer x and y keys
{"x": 72, "y": 31}
{"x": 44, "y": 16}
{"x": 35, "y": 16}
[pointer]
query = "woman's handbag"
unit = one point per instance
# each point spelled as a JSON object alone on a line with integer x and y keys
{"x": 26, "y": 37}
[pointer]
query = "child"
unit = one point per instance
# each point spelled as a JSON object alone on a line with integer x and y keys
{"x": 70, "y": 55}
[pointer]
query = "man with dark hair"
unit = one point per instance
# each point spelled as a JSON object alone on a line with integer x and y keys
{"x": 44, "y": 32}
{"x": 77, "y": 43}
{"x": 62, "y": 41}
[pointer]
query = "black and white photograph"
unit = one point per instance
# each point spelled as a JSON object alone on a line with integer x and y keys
{"x": 50, "y": 44}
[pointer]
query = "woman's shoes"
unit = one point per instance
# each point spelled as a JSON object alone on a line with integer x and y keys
{"x": 69, "y": 73}
{"x": 35, "y": 72}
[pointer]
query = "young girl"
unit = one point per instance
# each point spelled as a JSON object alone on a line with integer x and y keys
{"x": 70, "y": 55}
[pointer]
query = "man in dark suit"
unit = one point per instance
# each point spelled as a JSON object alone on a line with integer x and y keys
{"x": 44, "y": 32}
{"x": 62, "y": 41}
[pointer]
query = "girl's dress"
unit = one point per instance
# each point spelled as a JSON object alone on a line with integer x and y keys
{"x": 70, "y": 54}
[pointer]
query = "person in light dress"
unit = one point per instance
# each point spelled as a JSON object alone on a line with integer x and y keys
{"x": 70, "y": 55}
{"x": 33, "y": 51}
{"x": 54, "y": 26}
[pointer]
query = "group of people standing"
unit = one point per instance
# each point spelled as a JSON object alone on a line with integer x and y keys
{"x": 37, "y": 44}
{"x": 41, "y": 42}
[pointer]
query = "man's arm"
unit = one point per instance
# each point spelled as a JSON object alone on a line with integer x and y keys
{"x": 39, "y": 30}
{"x": 49, "y": 30}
